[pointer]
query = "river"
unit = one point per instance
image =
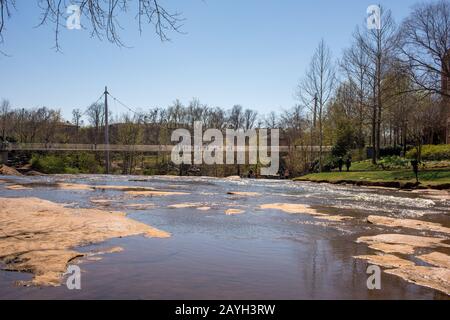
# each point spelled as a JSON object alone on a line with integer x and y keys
{"x": 256, "y": 254}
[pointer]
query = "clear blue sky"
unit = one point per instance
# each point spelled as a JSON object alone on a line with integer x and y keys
{"x": 248, "y": 52}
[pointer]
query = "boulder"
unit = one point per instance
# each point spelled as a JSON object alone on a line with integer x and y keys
{"x": 8, "y": 171}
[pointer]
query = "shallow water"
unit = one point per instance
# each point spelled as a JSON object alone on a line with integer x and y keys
{"x": 260, "y": 254}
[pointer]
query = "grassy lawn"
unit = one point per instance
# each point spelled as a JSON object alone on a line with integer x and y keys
{"x": 364, "y": 171}
{"x": 364, "y": 166}
{"x": 368, "y": 166}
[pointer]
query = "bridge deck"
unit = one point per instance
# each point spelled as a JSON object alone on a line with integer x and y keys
{"x": 118, "y": 148}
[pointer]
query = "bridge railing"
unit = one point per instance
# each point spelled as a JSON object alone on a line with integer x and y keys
{"x": 120, "y": 147}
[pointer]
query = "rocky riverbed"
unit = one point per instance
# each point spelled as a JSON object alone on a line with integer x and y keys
{"x": 201, "y": 237}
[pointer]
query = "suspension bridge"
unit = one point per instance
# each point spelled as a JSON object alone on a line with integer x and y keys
{"x": 120, "y": 147}
{"x": 106, "y": 147}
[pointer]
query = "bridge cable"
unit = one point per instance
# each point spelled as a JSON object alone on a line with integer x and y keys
{"x": 86, "y": 111}
{"x": 124, "y": 105}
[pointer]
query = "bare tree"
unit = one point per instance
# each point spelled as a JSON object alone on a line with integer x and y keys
{"x": 380, "y": 45}
{"x": 27, "y": 125}
{"x": 49, "y": 121}
{"x": 271, "y": 120}
{"x": 176, "y": 114}
{"x": 76, "y": 117}
{"x": 5, "y": 110}
{"x": 196, "y": 112}
{"x": 318, "y": 85}
{"x": 96, "y": 117}
{"x": 130, "y": 133}
{"x": 5, "y": 13}
{"x": 236, "y": 118}
{"x": 103, "y": 16}
{"x": 356, "y": 65}
{"x": 216, "y": 118}
{"x": 249, "y": 118}
{"x": 425, "y": 45}
{"x": 293, "y": 124}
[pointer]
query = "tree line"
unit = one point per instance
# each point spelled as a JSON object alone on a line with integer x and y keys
{"x": 389, "y": 88}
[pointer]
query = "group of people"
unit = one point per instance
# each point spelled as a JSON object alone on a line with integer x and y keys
{"x": 348, "y": 163}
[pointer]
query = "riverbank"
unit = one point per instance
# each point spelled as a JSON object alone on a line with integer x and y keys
{"x": 401, "y": 179}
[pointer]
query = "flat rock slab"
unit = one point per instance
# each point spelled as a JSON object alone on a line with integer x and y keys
{"x": 408, "y": 223}
{"x": 431, "y": 277}
{"x": 39, "y": 236}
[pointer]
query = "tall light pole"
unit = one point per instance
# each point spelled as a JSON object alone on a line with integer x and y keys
{"x": 106, "y": 132}
{"x": 313, "y": 126}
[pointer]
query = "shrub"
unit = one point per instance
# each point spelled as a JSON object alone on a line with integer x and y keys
{"x": 85, "y": 163}
{"x": 394, "y": 162}
{"x": 330, "y": 163}
{"x": 72, "y": 164}
{"x": 71, "y": 170}
{"x": 48, "y": 164}
{"x": 431, "y": 152}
